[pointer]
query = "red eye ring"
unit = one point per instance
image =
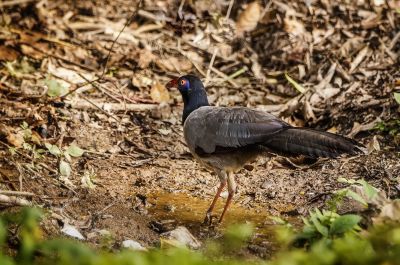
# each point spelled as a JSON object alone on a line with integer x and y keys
{"x": 182, "y": 82}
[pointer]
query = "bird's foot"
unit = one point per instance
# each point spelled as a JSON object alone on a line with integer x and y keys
{"x": 208, "y": 219}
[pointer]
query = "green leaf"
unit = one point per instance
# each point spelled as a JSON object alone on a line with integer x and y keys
{"x": 65, "y": 169}
{"x": 55, "y": 88}
{"x": 24, "y": 125}
{"x": 53, "y": 149}
{"x": 369, "y": 190}
{"x": 356, "y": 197}
{"x": 277, "y": 220}
{"x": 344, "y": 223}
{"x": 235, "y": 235}
{"x": 320, "y": 228}
{"x": 344, "y": 180}
{"x": 296, "y": 85}
{"x": 11, "y": 69}
{"x": 397, "y": 97}
{"x": 74, "y": 150}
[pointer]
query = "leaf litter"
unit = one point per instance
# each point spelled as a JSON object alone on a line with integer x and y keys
{"x": 112, "y": 130}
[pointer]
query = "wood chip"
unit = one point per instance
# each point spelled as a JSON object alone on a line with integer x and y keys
{"x": 363, "y": 54}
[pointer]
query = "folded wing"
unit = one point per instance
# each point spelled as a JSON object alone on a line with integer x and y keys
{"x": 217, "y": 129}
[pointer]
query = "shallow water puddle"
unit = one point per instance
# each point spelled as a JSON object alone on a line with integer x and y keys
{"x": 183, "y": 209}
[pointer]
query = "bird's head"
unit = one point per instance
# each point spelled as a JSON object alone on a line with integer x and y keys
{"x": 192, "y": 90}
{"x": 187, "y": 85}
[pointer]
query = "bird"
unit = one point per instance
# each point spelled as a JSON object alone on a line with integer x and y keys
{"x": 225, "y": 139}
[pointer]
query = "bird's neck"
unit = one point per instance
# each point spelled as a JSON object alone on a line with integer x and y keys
{"x": 194, "y": 101}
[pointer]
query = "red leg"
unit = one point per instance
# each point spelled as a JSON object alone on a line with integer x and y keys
{"x": 207, "y": 219}
{"x": 232, "y": 190}
{"x": 228, "y": 202}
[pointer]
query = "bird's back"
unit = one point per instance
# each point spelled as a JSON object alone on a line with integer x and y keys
{"x": 216, "y": 130}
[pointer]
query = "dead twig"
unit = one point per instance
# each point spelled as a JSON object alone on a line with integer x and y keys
{"x": 104, "y": 106}
{"x": 14, "y": 200}
{"x": 17, "y": 193}
{"x": 210, "y": 66}
{"x": 15, "y": 2}
{"x": 228, "y": 13}
{"x": 103, "y": 90}
{"x": 96, "y": 105}
{"x": 119, "y": 34}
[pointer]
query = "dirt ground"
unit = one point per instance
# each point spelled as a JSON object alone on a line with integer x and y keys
{"x": 136, "y": 178}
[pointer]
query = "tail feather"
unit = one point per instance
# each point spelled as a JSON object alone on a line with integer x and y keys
{"x": 311, "y": 143}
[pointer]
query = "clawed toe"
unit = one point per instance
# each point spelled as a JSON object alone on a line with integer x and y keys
{"x": 208, "y": 219}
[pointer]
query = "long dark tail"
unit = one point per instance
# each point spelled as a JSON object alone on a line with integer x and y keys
{"x": 311, "y": 143}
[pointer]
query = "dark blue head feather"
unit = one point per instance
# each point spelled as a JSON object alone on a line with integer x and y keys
{"x": 193, "y": 93}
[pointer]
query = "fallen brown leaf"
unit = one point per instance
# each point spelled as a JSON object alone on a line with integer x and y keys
{"x": 8, "y": 54}
{"x": 15, "y": 139}
{"x": 172, "y": 64}
{"x": 159, "y": 93}
{"x": 145, "y": 58}
{"x": 249, "y": 18}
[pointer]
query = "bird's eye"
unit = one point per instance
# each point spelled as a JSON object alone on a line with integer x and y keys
{"x": 183, "y": 82}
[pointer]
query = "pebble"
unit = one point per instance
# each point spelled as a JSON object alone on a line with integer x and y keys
{"x": 132, "y": 244}
{"x": 71, "y": 231}
{"x": 182, "y": 236}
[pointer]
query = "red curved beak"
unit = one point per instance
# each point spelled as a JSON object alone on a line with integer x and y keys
{"x": 172, "y": 83}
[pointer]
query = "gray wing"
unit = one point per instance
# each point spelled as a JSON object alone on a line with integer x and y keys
{"x": 216, "y": 128}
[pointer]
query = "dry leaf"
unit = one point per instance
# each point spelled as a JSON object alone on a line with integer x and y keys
{"x": 332, "y": 130}
{"x": 140, "y": 80}
{"x": 371, "y": 22}
{"x": 145, "y": 58}
{"x": 67, "y": 76}
{"x": 159, "y": 93}
{"x": 350, "y": 46}
{"x": 373, "y": 145}
{"x": 363, "y": 54}
{"x": 8, "y": 54}
{"x": 172, "y": 64}
{"x": 33, "y": 53}
{"x": 294, "y": 26}
{"x": 15, "y": 139}
{"x": 249, "y": 18}
{"x": 35, "y": 138}
{"x": 389, "y": 212}
{"x": 379, "y": 2}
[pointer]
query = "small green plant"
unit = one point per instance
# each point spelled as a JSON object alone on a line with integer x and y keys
{"x": 327, "y": 225}
{"x": 88, "y": 179}
{"x": 379, "y": 245}
{"x": 32, "y": 248}
{"x": 65, "y": 157}
{"x": 30, "y": 142}
{"x": 392, "y": 127}
{"x": 18, "y": 68}
{"x": 55, "y": 88}
{"x": 367, "y": 189}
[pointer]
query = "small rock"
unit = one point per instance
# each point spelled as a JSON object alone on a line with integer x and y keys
{"x": 182, "y": 236}
{"x": 71, "y": 231}
{"x": 224, "y": 194}
{"x": 132, "y": 244}
{"x": 104, "y": 233}
{"x": 114, "y": 149}
{"x": 268, "y": 184}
